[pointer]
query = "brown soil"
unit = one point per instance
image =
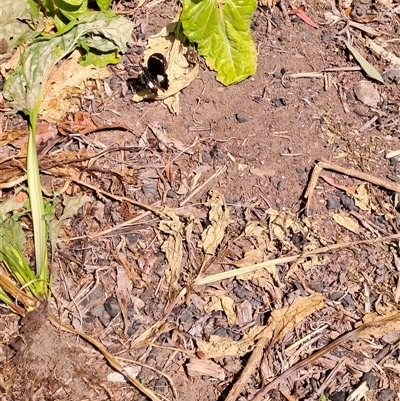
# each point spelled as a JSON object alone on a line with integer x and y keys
{"x": 269, "y": 131}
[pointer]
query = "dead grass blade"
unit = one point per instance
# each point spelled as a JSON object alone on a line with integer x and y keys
{"x": 287, "y": 259}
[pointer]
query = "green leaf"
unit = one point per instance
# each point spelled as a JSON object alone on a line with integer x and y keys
{"x": 221, "y": 29}
{"x": 23, "y": 88}
{"x": 103, "y": 4}
{"x": 369, "y": 69}
{"x": 68, "y": 4}
{"x": 14, "y": 18}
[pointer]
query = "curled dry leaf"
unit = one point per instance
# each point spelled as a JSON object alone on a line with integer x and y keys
{"x": 362, "y": 198}
{"x": 281, "y": 322}
{"x": 346, "y": 222}
{"x": 223, "y": 303}
{"x": 213, "y": 235}
{"x": 172, "y": 247}
{"x": 203, "y": 367}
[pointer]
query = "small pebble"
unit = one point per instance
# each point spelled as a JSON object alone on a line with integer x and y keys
{"x": 276, "y": 20}
{"x": 367, "y": 93}
{"x": 279, "y": 102}
{"x": 318, "y": 287}
{"x": 150, "y": 188}
{"x": 97, "y": 310}
{"x": 338, "y": 396}
{"x": 242, "y": 118}
{"x": 370, "y": 378}
{"x": 221, "y": 332}
{"x": 112, "y": 307}
{"x": 332, "y": 204}
{"x": 206, "y": 157}
{"x": 394, "y": 161}
{"x": 326, "y": 37}
{"x": 348, "y": 203}
{"x": 171, "y": 194}
{"x": 386, "y": 395}
{"x": 97, "y": 293}
{"x": 130, "y": 311}
{"x": 160, "y": 385}
{"x": 105, "y": 321}
{"x": 133, "y": 238}
{"x": 347, "y": 301}
{"x": 392, "y": 76}
{"x": 114, "y": 80}
{"x": 143, "y": 160}
{"x": 241, "y": 292}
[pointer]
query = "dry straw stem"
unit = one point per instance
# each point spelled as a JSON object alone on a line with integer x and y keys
{"x": 323, "y": 351}
{"x": 110, "y": 358}
{"x": 392, "y": 186}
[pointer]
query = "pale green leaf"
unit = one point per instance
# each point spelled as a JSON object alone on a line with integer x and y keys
{"x": 369, "y": 69}
{"x": 23, "y": 88}
{"x": 14, "y": 17}
{"x": 221, "y": 30}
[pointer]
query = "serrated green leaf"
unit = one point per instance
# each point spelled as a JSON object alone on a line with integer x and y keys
{"x": 103, "y": 4}
{"x": 23, "y": 88}
{"x": 369, "y": 69}
{"x": 221, "y": 29}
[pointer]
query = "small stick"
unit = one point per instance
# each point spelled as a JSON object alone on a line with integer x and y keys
{"x": 216, "y": 174}
{"x": 392, "y": 186}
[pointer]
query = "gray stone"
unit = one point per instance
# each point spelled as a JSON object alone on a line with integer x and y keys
{"x": 112, "y": 307}
{"x": 367, "y": 93}
{"x": 97, "y": 310}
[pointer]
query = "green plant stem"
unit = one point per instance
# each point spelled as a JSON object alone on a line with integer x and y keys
{"x": 37, "y": 205}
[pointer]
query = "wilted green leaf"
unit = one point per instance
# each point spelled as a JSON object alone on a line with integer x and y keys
{"x": 111, "y": 33}
{"x": 222, "y": 31}
{"x": 369, "y": 69}
{"x": 14, "y": 17}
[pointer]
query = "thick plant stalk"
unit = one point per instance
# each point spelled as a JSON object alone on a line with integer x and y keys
{"x": 37, "y": 206}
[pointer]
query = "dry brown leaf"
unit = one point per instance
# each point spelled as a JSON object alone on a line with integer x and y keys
{"x": 362, "y": 198}
{"x": 223, "y": 303}
{"x": 66, "y": 82}
{"x": 383, "y": 329}
{"x": 203, "y": 367}
{"x": 346, "y": 222}
{"x": 172, "y": 247}
{"x": 279, "y": 324}
{"x": 218, "y": 215}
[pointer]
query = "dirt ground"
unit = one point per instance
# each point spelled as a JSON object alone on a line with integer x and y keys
{"x": 254, "y": 145}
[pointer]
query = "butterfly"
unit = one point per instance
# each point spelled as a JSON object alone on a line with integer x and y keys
{"x": 154, "y": 76}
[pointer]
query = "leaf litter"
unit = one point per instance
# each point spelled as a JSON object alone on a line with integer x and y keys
{"x": 217, "y": 259}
